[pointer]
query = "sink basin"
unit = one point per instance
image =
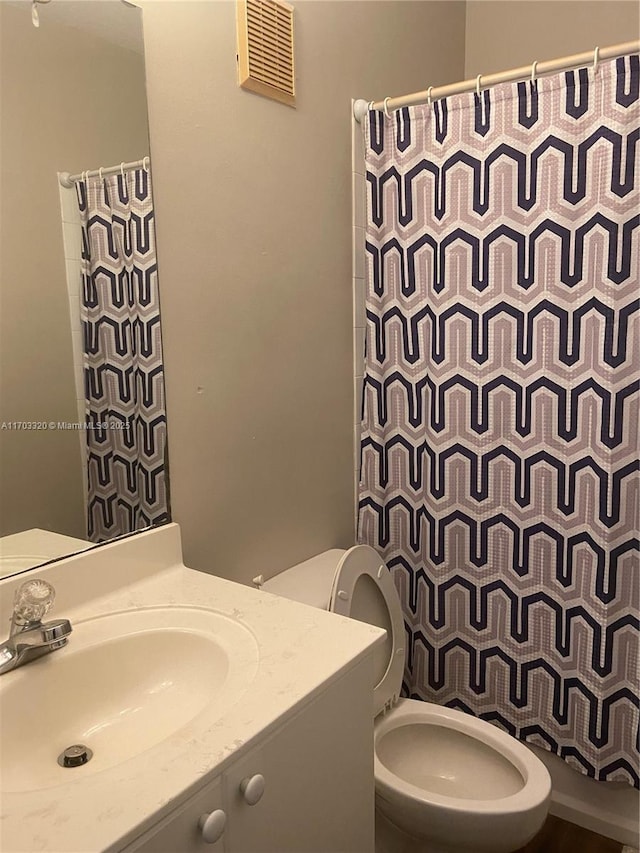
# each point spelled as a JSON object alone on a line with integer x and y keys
{"x": 125, "y": 683}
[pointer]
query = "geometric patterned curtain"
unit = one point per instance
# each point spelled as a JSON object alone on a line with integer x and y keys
{"x": 499, "y": 457}
{"x": 124, "y": 372}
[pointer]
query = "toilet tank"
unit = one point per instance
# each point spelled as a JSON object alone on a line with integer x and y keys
{"x": 309, "y": 582}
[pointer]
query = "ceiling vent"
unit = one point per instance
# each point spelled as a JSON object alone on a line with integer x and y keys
{"x": 265, "y": 49}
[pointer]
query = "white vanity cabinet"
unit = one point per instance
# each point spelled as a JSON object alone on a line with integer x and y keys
{"x": 316, "y": 794}
{"x": 241, "y": 684}
{"x": 180, "y": 831}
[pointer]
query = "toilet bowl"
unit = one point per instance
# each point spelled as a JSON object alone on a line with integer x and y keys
{"x": 457, "y": 781}
{"x": 445, "y": 781}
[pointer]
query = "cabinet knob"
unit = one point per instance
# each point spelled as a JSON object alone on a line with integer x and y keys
{"x": 212, "y": 826}
{"x": 252, "y": 788}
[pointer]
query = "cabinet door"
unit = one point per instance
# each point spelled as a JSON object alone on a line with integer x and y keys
{"x": 179, "y": 832}
{"x": 318, "y": 778}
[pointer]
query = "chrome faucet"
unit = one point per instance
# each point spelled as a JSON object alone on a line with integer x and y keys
{"x": 30, "y": 637}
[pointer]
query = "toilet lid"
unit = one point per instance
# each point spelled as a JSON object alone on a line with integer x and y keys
{"x": 363, "y": 589}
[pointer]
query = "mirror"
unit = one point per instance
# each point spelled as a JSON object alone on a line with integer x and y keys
{"x": 73, "y": 98}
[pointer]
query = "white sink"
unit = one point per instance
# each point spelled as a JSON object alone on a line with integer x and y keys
{"x": 125, "y": 683}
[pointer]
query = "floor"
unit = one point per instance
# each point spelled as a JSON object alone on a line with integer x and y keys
{"x": 558, "y": 836}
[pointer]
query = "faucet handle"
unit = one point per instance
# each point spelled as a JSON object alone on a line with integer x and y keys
{"x": 33, "y": 599}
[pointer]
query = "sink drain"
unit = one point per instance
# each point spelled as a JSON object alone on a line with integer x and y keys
{"x": 75, "y": 756}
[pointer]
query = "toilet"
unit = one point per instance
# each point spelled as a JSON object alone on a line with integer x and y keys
{"x": 445, "y": 781}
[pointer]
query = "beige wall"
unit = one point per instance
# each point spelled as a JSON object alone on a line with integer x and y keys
{"x": 70, "y": 101}
{"x": 504, "y": 34}
{"x": 254, "y": 232}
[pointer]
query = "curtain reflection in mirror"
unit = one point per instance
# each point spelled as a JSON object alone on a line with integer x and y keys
{"x": 123, "y": 366}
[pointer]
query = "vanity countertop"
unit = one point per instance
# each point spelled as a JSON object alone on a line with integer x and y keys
{"x": 29, "y": 548}
{"x": 300, "y": 649}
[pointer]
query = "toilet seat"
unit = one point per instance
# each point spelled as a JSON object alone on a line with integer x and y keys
{"x": 363, "y": 589}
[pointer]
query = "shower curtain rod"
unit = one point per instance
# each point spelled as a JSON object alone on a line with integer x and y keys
{"x": 483, "y": 81}
{"x": 68, "y": 180}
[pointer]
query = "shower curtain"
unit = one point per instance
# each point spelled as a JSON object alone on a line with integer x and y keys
{"x": 124, "y": 373}
{"x": 499, "y": 456}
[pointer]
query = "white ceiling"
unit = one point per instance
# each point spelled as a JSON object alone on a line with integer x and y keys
{"x": 112, "y": 20}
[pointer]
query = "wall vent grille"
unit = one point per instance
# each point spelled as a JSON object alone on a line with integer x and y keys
{"x": 265, "y": 49}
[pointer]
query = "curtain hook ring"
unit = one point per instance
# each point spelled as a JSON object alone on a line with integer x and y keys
{"x": 145, "y": 164}
{"x": 370, "y": 106}
{"x": 534, "y": 66}
{"x": 596, "y": 58}
{"x": 385, "y": 108}
{"x": 429, "y": 101}
{"x": 478, "y": 79}
{"x": 122, "y": 169}
{"x": 100, "y": 173}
